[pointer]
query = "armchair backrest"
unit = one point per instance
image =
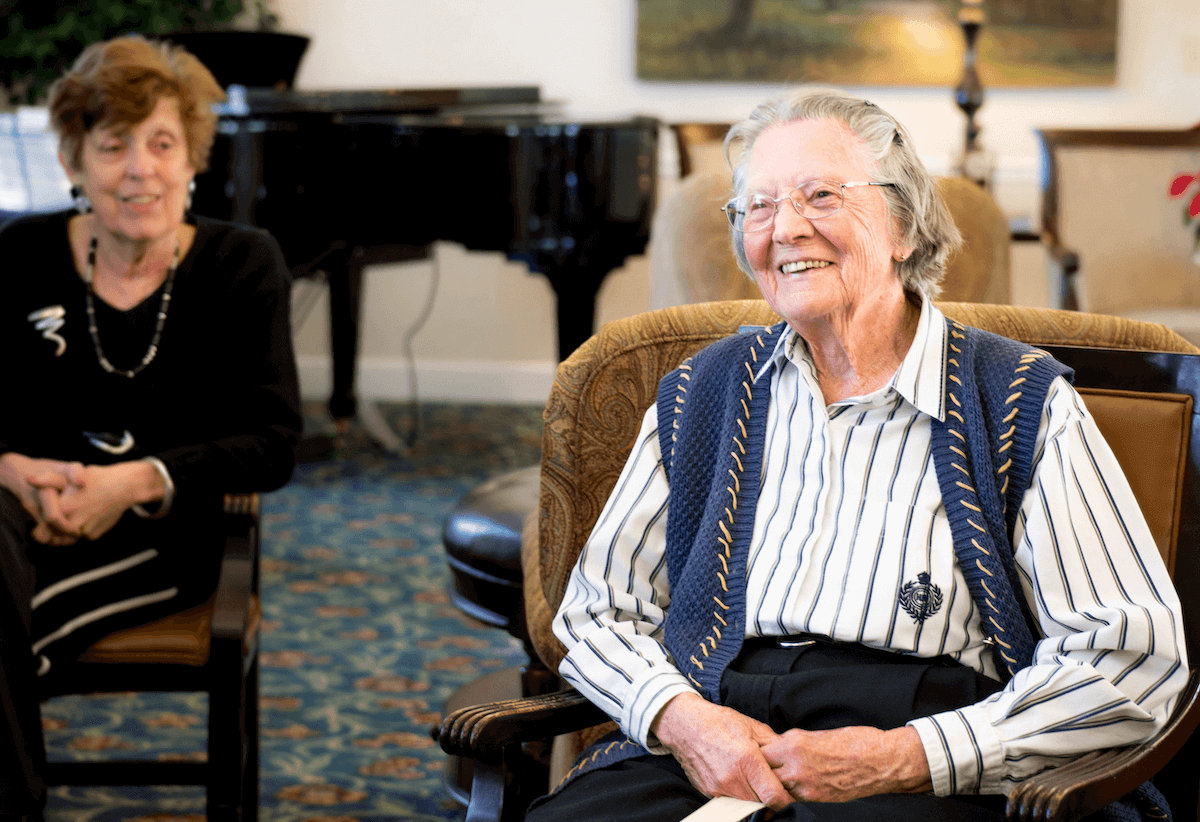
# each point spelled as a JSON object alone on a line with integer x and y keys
{"x": 691, "y": 260}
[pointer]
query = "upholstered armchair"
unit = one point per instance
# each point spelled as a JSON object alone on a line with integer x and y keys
{"x": 691, "y": 260}
{"x": 1144, "y": 402}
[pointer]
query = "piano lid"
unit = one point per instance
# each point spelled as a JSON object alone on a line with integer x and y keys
{"x": 246, "y": 102}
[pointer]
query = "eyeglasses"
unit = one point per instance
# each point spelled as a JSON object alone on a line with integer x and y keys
{"x": 812, "y": 200}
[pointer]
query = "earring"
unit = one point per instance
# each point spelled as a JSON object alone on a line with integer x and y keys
{"x": 82, "y": 204}
{"x": 187, "y": 201}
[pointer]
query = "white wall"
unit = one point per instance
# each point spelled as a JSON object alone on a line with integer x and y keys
{"x": 491, "y": 332}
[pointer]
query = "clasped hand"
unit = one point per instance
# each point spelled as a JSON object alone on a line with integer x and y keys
{"x": 69, "y": 500}
{"x": 726, "y": 753}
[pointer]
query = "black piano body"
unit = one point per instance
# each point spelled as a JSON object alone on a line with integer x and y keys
{"x": 345, "y": 179}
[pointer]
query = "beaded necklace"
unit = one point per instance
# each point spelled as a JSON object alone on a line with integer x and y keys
{"x": 152, "y": 351}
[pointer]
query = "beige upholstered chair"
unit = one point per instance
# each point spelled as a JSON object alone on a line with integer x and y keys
{"x": 1145, "y": 404}
{"x": 691, "y": 259}
{"x": 1106, "y": 210}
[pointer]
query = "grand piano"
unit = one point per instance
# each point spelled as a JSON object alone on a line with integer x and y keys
{"x": 344, "y": 179}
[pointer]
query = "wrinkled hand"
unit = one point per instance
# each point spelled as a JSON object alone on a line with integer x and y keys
{"x": 720, "y": 750}
{"x": 38, "y": 484}
{"x": 99, "y": 495}
{"x": 848, "y": 763}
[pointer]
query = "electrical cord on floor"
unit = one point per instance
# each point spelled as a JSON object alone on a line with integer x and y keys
{"x": 306, "y": 293}
{"x": 418, "y": 324}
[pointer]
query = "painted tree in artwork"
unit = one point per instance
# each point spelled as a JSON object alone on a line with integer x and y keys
{"x": 736, "y": 28}
{"x": 1057, "y": 13}
{"x": 736, "y": 25}
{"x": 876, "y": 42}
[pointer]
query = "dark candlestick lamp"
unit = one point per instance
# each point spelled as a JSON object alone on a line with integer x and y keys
{"x": 975, "y": 162}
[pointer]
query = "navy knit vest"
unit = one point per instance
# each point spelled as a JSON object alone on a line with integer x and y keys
{"x": 712, "y": 452}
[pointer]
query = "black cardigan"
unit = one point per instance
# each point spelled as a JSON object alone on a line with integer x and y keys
{"x": 219, "y": 405}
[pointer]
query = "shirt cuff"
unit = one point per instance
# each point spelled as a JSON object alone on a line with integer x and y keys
{"x": 164, "y": 505}
{"x": 964, "y": 753}
{"x": 649, "y": 695}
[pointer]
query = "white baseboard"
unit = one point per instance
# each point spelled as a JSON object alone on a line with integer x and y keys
{"x": 384, "y": 378}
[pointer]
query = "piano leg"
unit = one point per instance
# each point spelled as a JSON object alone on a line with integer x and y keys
{"x": 575, "y": 289}
{"x": 345, "y": 311}
{"x": 345, "y": 301}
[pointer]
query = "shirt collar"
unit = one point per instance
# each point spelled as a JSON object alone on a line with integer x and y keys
{"x": 921, "y": 377}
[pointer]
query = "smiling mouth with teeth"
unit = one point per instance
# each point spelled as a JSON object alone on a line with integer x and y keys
{"x": 792, "y": 268}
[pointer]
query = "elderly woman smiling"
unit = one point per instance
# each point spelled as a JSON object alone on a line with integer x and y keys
{"x": 849, "y": 571}
{"x": 839, "y": 283}
{"x": 150, "y": 371}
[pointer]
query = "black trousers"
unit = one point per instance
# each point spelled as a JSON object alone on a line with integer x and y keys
{"x": 186, "y": 548}
{"x": 817, "y": 686}
{"x": 22, "y": 791}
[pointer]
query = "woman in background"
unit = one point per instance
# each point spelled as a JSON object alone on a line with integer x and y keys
{"x": 150, "y": 371}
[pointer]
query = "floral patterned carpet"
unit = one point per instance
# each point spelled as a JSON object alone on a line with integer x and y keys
{"x": 361, "y": 646}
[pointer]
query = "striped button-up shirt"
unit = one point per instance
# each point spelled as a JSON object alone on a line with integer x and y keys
{"x": 850, "y": 523}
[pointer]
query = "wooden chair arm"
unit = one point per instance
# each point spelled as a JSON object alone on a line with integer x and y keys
{"x": 482, "y": 732}
{"x": 1067, "y": 261}
{"x": 1066, "y": 258}
{"x": 237, "y": 581}
{"x": 1097, "y": 779}
{"x": 489, "y": 733}
{"x": 242, "y": 505}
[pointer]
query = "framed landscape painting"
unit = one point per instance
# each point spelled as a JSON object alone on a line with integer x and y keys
{"x": 876, "y": 42}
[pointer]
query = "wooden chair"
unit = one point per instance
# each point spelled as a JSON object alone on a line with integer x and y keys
{"x": 699, "y": 144}
{"x": 1145, "y": 404}
{"x": 1116, "y": 237}
{"x": 211, "y": 648}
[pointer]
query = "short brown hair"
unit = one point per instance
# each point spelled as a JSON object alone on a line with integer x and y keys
{"x": 120, "y": 81}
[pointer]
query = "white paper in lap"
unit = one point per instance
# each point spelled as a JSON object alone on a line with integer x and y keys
{"x": 724, "y": 809}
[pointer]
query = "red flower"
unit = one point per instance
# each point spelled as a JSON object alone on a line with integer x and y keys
{"x": 1180, "y": 184}
{"x": 1179, "y": 187}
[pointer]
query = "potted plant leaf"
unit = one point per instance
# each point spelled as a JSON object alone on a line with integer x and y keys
{"x": 40, "y": 38}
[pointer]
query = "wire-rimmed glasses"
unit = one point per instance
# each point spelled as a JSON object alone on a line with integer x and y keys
{"x": 813, "y": 200}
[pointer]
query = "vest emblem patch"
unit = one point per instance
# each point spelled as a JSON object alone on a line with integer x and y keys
{"x": 921, "y": 599}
